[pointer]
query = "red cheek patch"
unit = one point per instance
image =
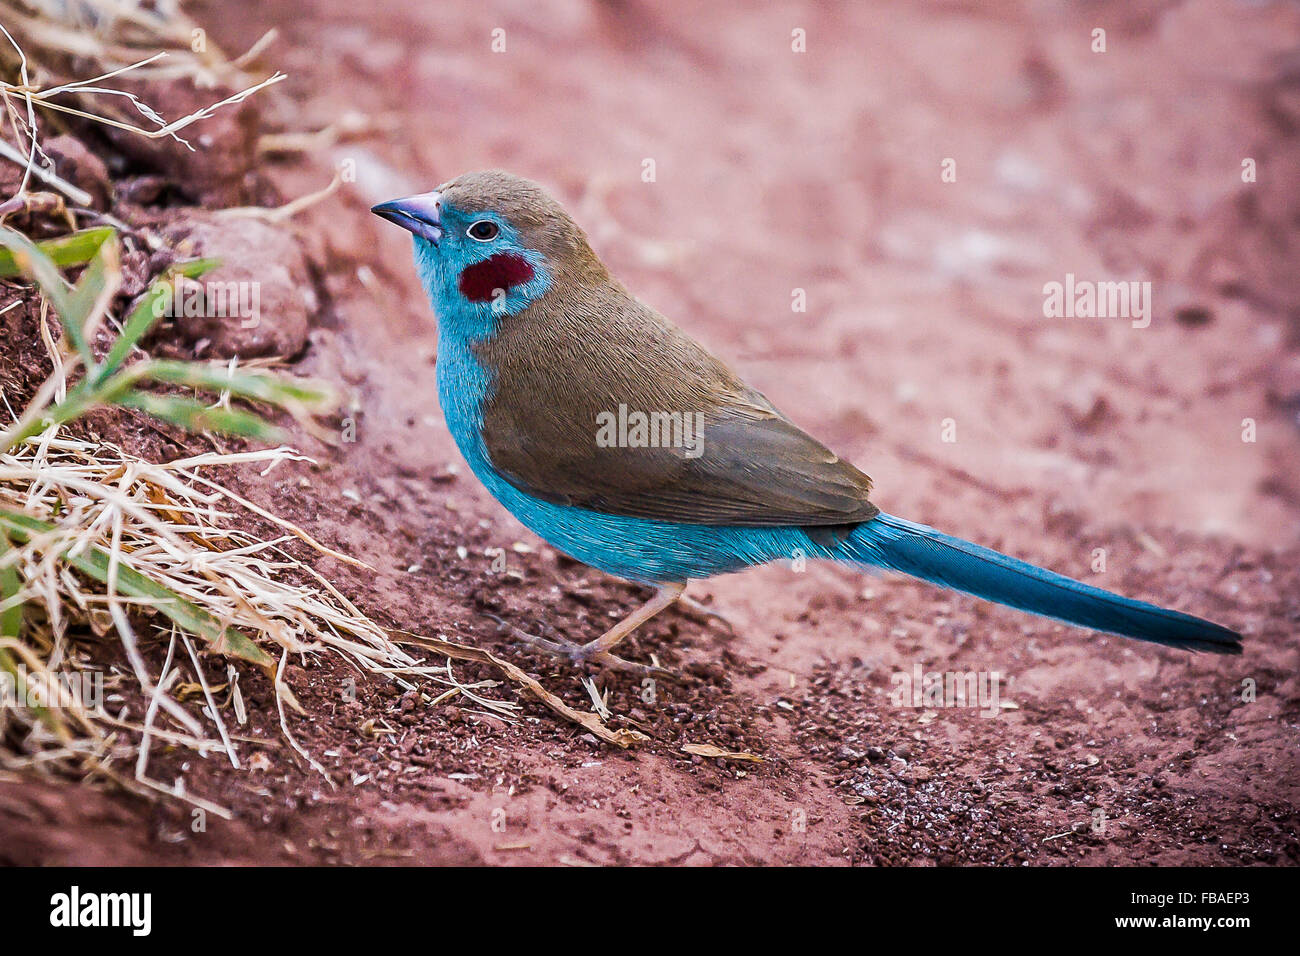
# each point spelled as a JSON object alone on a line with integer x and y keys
{"x": 502, "y": 271}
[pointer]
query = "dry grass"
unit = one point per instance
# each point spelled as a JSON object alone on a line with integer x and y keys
{"x": 180, "y": 528}
{"x": 94, "y": 540}
{"x": 123, "y": 37}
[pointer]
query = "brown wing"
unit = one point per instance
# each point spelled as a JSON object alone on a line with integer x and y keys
{"x": 556, "y": 377}
{"x": 753, "y": 468}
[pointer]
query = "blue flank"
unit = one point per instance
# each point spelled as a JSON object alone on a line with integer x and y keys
{"x": 650, "y": 552}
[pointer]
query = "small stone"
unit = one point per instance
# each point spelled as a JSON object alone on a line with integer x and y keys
{"x": 1193, "y": 316}
{"x": 79, "y": 166}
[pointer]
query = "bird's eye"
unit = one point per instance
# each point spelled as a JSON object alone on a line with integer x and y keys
{"x": 485, "y": 230}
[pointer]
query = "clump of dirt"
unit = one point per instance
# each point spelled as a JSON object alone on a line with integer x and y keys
{"x": 259, "y": 302}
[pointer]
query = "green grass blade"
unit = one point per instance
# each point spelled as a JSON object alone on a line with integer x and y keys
{"x": 100, "y": 280}
{"x": 72, "y": 250}
{"x": 11, "y": 618}
{"x": 11, "y": 623}
{"x": 76, "y": 306}
{"x": 74, "y": 406}
{"x": 148, "y": 311}
{"x": 34, "y": 263}
{"x": 193, "y": 415}
{"x": 94, "y": 562}
{"x": 258, "y": 387}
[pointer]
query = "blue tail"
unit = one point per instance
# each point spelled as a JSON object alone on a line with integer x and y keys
{"x": 889, "y": 542}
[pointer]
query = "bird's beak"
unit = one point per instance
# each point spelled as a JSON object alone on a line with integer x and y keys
{"x": 421, "y": 214}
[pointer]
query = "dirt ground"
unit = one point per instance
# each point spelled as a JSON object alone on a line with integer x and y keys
{"x": 818, "y": 171}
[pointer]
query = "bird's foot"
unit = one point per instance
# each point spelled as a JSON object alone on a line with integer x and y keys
{"x": 560, "y": 648}
{"x": 589, "y": 654}
{"x": 579, "y": 654}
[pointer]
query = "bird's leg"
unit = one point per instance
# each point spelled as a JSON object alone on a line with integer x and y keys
{"x": 598, "y": 650}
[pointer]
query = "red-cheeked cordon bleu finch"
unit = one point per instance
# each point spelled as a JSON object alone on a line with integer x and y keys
{"x": 539, "y": 347}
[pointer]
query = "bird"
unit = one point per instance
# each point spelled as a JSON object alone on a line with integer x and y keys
{"x": 616, "y": 437}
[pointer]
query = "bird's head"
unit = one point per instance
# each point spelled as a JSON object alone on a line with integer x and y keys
{"x": 489, "y": 244}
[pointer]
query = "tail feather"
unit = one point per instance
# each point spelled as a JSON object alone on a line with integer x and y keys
{"x": 900, "y": 545}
